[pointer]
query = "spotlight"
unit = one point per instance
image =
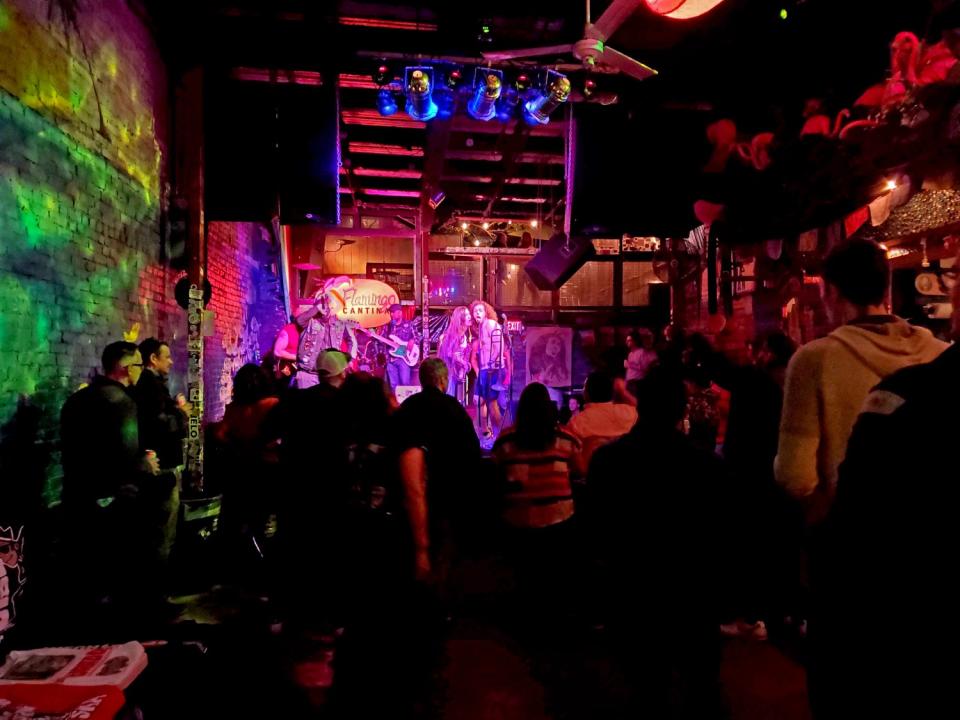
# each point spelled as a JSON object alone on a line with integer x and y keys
{"x": 487, "y": 85}
{"x": 537, "y": 111}
{"x": 386, "y": 102}
{"x": 381, "y": 76}
{"x": 419, "y": 84}
{"x": 507, "y": 104}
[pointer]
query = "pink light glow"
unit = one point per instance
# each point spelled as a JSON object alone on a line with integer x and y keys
{"x": 682, "y": 9}
{"x": 372, "y": 118}
{"x": 370, "y": 148}
{"x": 383, "y": 192}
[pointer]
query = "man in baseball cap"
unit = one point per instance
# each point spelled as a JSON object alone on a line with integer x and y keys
{"x": 332, "y": 367}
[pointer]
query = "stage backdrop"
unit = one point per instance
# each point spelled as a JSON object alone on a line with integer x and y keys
{"x": 549, "y": 356}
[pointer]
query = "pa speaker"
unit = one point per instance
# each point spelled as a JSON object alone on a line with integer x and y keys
{"x": 268, "y": 145}
{"x": 557, "y": 261}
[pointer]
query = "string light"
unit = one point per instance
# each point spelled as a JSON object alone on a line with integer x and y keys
{"x": 464, "y": 226}
{"x": 534, "y": 224}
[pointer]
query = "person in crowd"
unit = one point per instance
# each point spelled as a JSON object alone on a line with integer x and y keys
{"x": 829, "y": 379}
{"x": 112, "y": 488}
{"x": 661, "y": 522}
{"x": 454, "y": 350}
{"x": 537, "y": 461}
{"x": 707, "y": 404}
{"x": 891, "y": 544}
{"x": 375, "y": 649}
{"x": 163, "y": 419}
{"x": 163, "y": 427}
{"x": 766, "y": 528}
{"x": 602, "y": 420}
{"x": 438, "y": 461}
{"x": 673, "y": 342}
{"x": 641, "y": 355}
{"x": 398, "y": 371}
{"x": 311, "y": 434}
{"x": 251, "y": 456}
{"x": 438, "y": 456}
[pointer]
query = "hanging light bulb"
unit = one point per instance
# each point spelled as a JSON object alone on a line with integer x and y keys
{"x": 487, "y": 86}
{"x": 420, "y": 104}
{"x": 537, "y": 110}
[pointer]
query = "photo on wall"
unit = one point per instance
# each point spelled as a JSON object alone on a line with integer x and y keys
{"x": 549, "y": 356}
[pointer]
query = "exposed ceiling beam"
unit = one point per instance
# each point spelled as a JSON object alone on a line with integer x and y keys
{"x": 510, "y": 181}
{"x": 384, "y": 192}
{"x": 372, "y": 118}
{"x": 378, "y": 172}
{"x": 383, "y": 24}
{"x": 497, "y": 156}
{"x": 370, "y": 148}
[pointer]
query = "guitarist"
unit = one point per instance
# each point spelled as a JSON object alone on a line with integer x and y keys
{"x": 398, "y": 372}
{"x": 285, "y": 350}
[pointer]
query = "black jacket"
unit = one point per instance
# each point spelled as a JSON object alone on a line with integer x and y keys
{"x": 885, "y": 577}
{"x": 163, "y": 425}
{"x": 652, "y": 515}
{"x": 100, "y": 444}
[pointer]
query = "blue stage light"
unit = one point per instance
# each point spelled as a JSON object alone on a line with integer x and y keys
{"x": 537, "y": 110}
{"x": 419, "y": 84}
{"x": 486, "y": 90}
{"x": 386, "y": 102}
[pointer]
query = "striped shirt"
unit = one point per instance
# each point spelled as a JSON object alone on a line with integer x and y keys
{"x": 538, "y": 490}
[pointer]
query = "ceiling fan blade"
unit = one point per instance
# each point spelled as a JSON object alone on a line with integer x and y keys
{"x": 625, "y": 64}
{"x": 614, "y": 16}
{"x": 501, "y": 55}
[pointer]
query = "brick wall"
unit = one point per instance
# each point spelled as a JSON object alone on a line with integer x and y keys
{"x": 242, "y": 266}
{"x": 82, "y": 143}
{"x": 83, "y": 138}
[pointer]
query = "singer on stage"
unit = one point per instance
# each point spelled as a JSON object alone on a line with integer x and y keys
{"x": 489, "y": 363}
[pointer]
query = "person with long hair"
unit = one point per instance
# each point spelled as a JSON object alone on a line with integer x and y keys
{"x": 454, "y": 350}
{"x": 489, "y": 362}
{"x": 536, "y": 460}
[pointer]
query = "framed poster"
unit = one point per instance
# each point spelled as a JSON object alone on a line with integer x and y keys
{"x": 549, "y": 356}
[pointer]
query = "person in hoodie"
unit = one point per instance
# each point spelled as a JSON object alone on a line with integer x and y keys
{"x": 892, "y": 531}
{"x": 829, "y": 379}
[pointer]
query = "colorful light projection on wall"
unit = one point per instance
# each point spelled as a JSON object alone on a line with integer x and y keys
{"x": 99, "y": 82}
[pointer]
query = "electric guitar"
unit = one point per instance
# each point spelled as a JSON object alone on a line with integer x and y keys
{"x": 399, "y": 347}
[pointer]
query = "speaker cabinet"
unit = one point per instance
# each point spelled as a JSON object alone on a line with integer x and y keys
{"x": 557, "y": 260}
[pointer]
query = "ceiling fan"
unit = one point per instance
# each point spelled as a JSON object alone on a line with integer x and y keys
{"x": 592, "y": 51}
